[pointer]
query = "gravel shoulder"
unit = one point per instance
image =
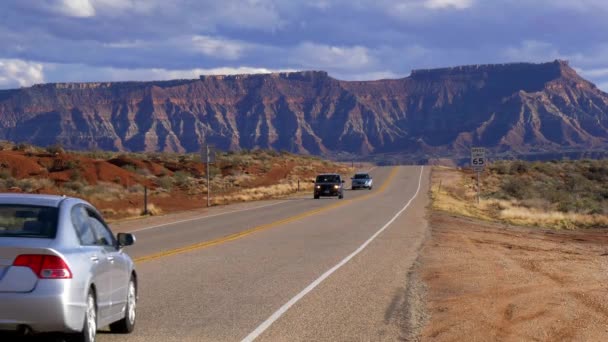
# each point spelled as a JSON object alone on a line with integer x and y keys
{"x": 484, "y": 281}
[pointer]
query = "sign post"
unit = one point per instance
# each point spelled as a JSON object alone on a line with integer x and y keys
{"x": 208, "y": 157}
{"x": 478, "y": 164}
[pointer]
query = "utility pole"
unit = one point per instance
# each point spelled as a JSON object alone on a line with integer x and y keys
{"x": 478, "y": 164}
{"x": 207, "y": 158}
{"x": 478, "y": 187}
{"x": 207, "y": 168}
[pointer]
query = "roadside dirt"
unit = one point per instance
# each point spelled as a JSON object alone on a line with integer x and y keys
{"x": 492, "y": 282}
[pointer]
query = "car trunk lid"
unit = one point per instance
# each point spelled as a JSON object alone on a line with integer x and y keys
{"x": 19, "y": 278}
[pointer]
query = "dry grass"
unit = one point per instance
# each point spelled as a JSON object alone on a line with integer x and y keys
{"x": 454, "y": 191}
{"x": 260, "y": 193}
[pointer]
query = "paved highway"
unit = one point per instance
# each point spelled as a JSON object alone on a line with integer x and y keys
{"x": 289, "y": 270}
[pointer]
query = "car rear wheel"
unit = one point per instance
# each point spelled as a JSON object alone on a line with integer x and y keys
{"x": 127, "y": 324}
{"x": 89, "y": 330}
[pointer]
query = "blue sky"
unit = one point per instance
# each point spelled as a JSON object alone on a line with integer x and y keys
{"x": 116, "y": 40}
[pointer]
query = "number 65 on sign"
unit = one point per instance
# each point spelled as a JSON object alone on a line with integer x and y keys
{"x": 478, "y": 158}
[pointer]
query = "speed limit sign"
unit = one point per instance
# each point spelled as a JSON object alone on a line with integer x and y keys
{"x": 478, "y": 158}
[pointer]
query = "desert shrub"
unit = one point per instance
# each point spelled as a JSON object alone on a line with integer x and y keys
{"x": 75, "y": 186}
{"x": 543, "y": 168}
{"x": 55, "y": 149}
{"x": 576, "y": 187}
{"x": 10, "y": 182}
{"x": 137, "y": 188}
{"x": 21, "y": 147}
{"x": 165, "y": 182}
{"x": 72, "y": 164}
{"x": 26, "y": 185}
{"x": 501, "y": 168}
{"x": 518, "y": 167}
{"x": 516, "y": 187}
{"x": 181, "y": 178}
{"x": 75, "y": 175}
{"x": 129, "y": 167}
{"x": 143, "y": 172}
{"x": 5, "y": 174}
{"x": 42, "y": 183}
{"x": 598, "y": 173}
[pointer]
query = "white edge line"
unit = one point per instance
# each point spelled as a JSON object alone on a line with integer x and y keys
{"x": 206, "y": 217}
{"x": 277, "y": 314}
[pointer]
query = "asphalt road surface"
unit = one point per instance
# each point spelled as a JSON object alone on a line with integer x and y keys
{"x": 287, "y": 270}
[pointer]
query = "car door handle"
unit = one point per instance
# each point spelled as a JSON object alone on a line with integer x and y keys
{"x": 94, "y": 259}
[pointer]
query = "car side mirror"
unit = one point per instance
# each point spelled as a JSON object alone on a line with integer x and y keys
{"x": 125, "y": 239}
{"x": 343, "y": 181}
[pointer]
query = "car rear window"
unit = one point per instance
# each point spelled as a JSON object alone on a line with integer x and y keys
{"x": 328, "y": 179}
{"x": 28, "y": 221}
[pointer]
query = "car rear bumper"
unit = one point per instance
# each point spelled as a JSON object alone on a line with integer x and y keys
{"x": 51, "y": 307}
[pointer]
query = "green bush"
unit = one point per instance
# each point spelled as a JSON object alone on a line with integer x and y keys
{"x": 165, "y": 182}
{"x": 181, "y": 178}
{"x": 5, "y": 174}
{"x": 75, "y": 175}
{"x": 72, "y": 164}
{"x": 567, "y": 186}
{"x": 516, "y": 187}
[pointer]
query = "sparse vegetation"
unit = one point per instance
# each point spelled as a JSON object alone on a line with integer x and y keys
{"x": 565, "y": 194}
{"x": 115, "y": 182}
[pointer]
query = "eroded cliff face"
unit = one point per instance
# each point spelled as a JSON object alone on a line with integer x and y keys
{"x": 520, "y": 107}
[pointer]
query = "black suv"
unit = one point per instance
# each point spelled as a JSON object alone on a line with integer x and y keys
{"x": 329, "y": 184}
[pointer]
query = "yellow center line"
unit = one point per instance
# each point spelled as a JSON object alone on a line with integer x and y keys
{"x": 235, "y": 236}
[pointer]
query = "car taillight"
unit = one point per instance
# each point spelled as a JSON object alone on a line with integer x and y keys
{"x": 44, "y": 266}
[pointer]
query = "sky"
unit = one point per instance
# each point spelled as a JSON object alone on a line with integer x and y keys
{"x": 139, "y": 40}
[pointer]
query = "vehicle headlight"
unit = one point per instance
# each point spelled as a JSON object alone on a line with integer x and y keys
{"x": 318, "y": 187}
{"x": 336, "y": 187}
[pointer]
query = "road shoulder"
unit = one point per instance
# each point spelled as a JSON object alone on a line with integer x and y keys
{"x": 489, "y": 281}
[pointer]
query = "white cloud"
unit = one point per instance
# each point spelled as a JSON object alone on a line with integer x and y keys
{"x": 141, "y": 6}
{"x": 155, "y": 74}
{"x": 312, "y": 55}
{"x": 258, "y": 14}
{"x": 441, "y": 4}
{"x": 85, "y": 73}
{"x": 601, "y": 72}
{"x": 532, "y": 51}
{"x": 218, "y": 47}
{"x": 75, "y": 8}
{"x": 17, "y": 73}
{"x": 576, "y": 5}
{"x": 372, "y": 75}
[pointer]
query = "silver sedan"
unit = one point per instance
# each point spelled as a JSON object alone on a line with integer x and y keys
{"x": 62, "y": 270}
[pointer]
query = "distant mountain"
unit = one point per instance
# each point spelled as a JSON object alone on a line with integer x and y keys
{"x": 520, "y": 107}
